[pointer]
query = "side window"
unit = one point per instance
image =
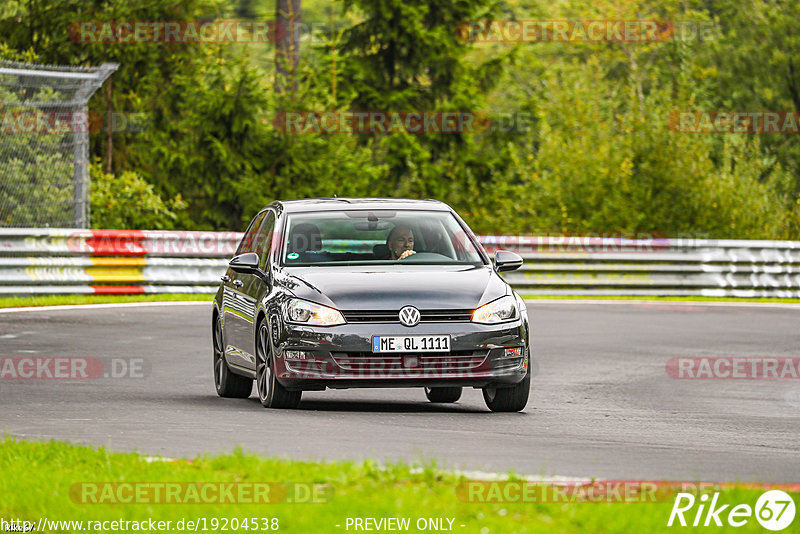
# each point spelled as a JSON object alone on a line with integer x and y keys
{"x": 246, "y": 245}
{"x": 263, "y": 244}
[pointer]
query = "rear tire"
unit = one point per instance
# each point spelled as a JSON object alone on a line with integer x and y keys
{"x": 270, "y": 392}
{"x": 443, "y": 394}
{"x": 513, "y": 399}
{"x": 226, "y": 383}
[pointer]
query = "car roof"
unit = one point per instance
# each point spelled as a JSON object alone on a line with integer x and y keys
{"x": 359, "y": 203}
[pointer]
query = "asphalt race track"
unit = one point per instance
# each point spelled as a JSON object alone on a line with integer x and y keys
{"x": 602, "y": 402}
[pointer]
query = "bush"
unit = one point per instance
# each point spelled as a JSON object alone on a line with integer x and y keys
{"x": 127, "y": 201}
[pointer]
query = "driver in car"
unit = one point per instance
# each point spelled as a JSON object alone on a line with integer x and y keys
{"x": 400, "y": 242}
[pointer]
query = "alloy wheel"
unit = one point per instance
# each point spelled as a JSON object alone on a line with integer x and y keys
{"x": 219, "y": 359}
{"x": 263, "y": 369}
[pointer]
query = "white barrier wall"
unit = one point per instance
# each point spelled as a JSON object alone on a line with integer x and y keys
{"x": 655, "y": 266}
{"x": 50, "y": 261}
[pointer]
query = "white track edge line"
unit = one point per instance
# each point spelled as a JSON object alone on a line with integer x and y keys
{"x": 488, "y": 476}
{"x": 106, "y": 305}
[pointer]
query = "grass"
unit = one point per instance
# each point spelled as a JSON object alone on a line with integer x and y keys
{"x": 38, "y": 478}
{"x": 61, "y": 300}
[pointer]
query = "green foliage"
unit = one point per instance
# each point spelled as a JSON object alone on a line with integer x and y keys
{"x": 407, "y": 54}
{"x": 604, "y": 157}
{"x": 603, "y": 169}
{"x": 128, "y": 201}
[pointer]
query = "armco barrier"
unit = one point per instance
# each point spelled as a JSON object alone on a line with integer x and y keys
{"x": 578, "y": 265}
{"x": 50, "y": 261}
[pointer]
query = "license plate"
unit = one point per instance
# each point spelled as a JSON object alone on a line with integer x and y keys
{"x": 410, "y": 343}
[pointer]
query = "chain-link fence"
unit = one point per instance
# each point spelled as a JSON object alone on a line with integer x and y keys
{"x": 44, "y": 143}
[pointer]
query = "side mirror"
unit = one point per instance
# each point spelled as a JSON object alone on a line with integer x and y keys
{"x": 505, "y": 260}
{"x": 245, "y": 263}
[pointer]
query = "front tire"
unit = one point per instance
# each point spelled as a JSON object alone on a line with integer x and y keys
{"x": 513, "y": 399}
{"x": 270, "y": 392}
{"x": 443, "y": 394}
{"x": 226, "y": 383}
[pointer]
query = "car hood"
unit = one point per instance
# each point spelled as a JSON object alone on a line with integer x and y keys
{"x": 368, "y": 288}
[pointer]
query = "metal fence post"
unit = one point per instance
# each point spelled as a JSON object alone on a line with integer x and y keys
{"x": 34, "y": 161}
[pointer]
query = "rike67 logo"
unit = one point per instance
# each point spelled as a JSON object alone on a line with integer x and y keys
{"x": 774, "y": 510}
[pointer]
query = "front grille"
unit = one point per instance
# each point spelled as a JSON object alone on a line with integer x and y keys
{"x": 422, "y": 363}
{"x": 445, "y": 316}
{"x": 390, "y": 316}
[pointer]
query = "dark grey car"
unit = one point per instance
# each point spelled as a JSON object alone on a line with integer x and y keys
{"x": 346, "y": 292}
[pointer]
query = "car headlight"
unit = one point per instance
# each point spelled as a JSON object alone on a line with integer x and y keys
{"x": 497, "y": 311}
{"x": 304, "y": 312}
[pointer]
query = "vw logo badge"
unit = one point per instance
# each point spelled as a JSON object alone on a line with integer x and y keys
{"x": 409, "y": 316}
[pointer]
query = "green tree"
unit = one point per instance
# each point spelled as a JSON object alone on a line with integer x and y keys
{"x": 128, "y": 202}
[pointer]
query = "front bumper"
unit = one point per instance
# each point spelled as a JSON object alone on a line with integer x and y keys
{"x": 310, "y": 358}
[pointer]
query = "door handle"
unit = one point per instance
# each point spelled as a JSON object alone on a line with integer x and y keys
{"x": 238, "y": 283}
{"x": 225, "y": 278}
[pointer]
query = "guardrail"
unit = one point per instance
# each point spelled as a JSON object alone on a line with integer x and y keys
{"x": 66, "y": 261}
{"x": 52, "y": 261}
{"x": 658, "y": 266}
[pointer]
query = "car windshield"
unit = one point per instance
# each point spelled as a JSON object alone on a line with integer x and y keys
{"x": 377, "y": 237}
